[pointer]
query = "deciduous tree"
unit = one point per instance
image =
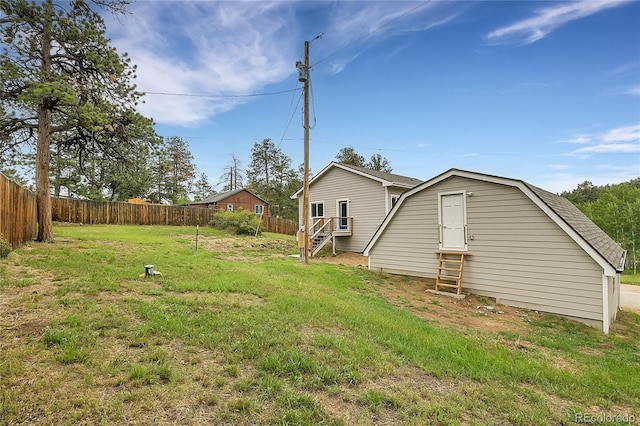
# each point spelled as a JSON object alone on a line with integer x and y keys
{"x": 350, "y": 156}
{"x": 232, "y": 178}
{"x": 379, "y": 163}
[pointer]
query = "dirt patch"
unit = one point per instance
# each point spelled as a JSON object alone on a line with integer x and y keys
{"x": 472, "y": 312}
{"x": 239, "y": 243}
{"x": 347, "y": 259}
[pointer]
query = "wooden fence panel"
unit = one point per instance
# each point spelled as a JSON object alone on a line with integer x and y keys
{"x": 96, "y": 212}
{"x": 18, "y": 214}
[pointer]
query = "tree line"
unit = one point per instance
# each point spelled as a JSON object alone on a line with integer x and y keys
{"x": 68, "y": 115}
{"x": 615, "y": 209}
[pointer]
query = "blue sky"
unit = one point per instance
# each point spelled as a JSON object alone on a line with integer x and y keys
{"x": 546, "y": 92}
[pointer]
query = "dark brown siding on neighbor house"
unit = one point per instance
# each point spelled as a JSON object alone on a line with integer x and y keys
{"x": 244, "y": 200}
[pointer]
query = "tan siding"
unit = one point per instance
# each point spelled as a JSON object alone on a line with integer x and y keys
{"x": 519, "y": 254}
{"x": 366, "y": 204}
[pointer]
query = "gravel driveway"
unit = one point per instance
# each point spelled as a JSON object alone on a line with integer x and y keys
{"x": 630, "y": 297}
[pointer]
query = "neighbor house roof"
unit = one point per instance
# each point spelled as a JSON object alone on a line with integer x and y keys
{"x": 224, "y": 195}
{"x": 578, "y": 226}
{"x": 386, "y": 179}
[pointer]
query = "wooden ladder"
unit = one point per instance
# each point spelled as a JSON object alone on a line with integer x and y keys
{"x": 450, "y": 267}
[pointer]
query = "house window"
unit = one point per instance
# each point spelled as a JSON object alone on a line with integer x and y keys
{"x": 317, "y": 209}
{"x": 230, "y": 207}
{"x": 258, "y": 209}
{"x": 342, "y": 207}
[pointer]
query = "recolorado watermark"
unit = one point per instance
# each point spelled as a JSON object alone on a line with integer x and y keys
{"x": 604, "y": 418}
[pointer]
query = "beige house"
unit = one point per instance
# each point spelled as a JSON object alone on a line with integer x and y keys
{"x": 348, "y": 203}
{"x": 522, "y": 245}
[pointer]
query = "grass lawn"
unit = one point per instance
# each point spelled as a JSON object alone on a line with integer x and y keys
{"x": 628, "y": 277}
{"x": 244, "y": 334}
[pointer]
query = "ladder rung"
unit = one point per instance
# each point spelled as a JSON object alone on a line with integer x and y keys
{"x": 448, "y": 285}
{"x": 450, "y": 269}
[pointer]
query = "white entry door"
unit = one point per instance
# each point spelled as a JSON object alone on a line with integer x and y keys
{"x": 453, "y": 218}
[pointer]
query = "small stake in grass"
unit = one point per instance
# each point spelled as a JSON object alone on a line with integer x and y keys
{"x": 197, "y": 232}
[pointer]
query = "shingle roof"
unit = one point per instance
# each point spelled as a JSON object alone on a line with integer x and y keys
{"x": 589, "y": 231}
{"x": 404, "y": 180}
{"x": 224, "y": 195}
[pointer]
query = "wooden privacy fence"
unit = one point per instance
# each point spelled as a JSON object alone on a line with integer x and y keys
{"x": 18, "y": 215}
{"x": 98, "y": 212}
{"x": 279, "y": 225}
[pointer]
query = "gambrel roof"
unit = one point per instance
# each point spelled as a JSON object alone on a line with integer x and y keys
{"x": 579, "y": 227}
{"x": 386, "y": 179}
{"x": 596, "y": 237}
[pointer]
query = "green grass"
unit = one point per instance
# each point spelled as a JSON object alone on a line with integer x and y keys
{"x": 628, "y": 277}
{"x": 243, "y": 334}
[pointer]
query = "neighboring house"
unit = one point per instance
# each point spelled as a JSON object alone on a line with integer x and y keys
{"x": 526, "y": 247}
{"x": 348, "y": 203}
{"x": 137, "y": 200}
{"x": 234, "y": 200}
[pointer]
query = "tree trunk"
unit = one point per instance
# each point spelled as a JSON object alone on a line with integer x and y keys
{"x": 43, "y": 149}
{"x": 43, "y": 192}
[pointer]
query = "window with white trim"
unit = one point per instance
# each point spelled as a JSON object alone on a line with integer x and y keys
{"x": 258, "y": 209}
{"x": 317, "y": 209}
{"x": 230, "y": 207}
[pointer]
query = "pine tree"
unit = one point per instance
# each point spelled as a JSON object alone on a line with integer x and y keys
{"x": 203, "y": 188}
{"x": 59, "y": 76}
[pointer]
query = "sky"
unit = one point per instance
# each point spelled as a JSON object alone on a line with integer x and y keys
{"x": 545, "y": 92}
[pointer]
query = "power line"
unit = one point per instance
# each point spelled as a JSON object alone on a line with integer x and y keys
{"x": 293, "y": 113}
{"x": 192, "y": 95}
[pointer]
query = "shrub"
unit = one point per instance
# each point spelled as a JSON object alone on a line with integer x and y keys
{"x": 241, "y": 222}
{"x": 5, "y": 248}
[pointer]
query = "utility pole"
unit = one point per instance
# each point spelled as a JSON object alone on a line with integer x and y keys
{"x": 303, "y": 72}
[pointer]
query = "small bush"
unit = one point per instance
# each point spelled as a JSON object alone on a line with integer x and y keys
{"x": 241, "y": 222}
{"x": 5, "y": 248}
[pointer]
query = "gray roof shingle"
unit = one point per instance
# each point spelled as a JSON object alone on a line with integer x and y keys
{"x": 390, "y": 177}
{"x": 589, "y": 231}
{"x": 223, "y": 195}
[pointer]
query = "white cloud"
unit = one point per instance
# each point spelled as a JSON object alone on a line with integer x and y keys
{"x": 621, "y": 140}
{"x": 623, "y": 134}
{"x": 628, "y": 69}
{"x": 354, "y": 23}
{"x": 604, "y": 174}
{"x": 546, "y": 20}
{"x": 609, "y": 148}
{"x": 239, "y": 47}
{"x": 633, "y": 91}
{"x": 579, "y": 139}
{"x": 205, "y": 48}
